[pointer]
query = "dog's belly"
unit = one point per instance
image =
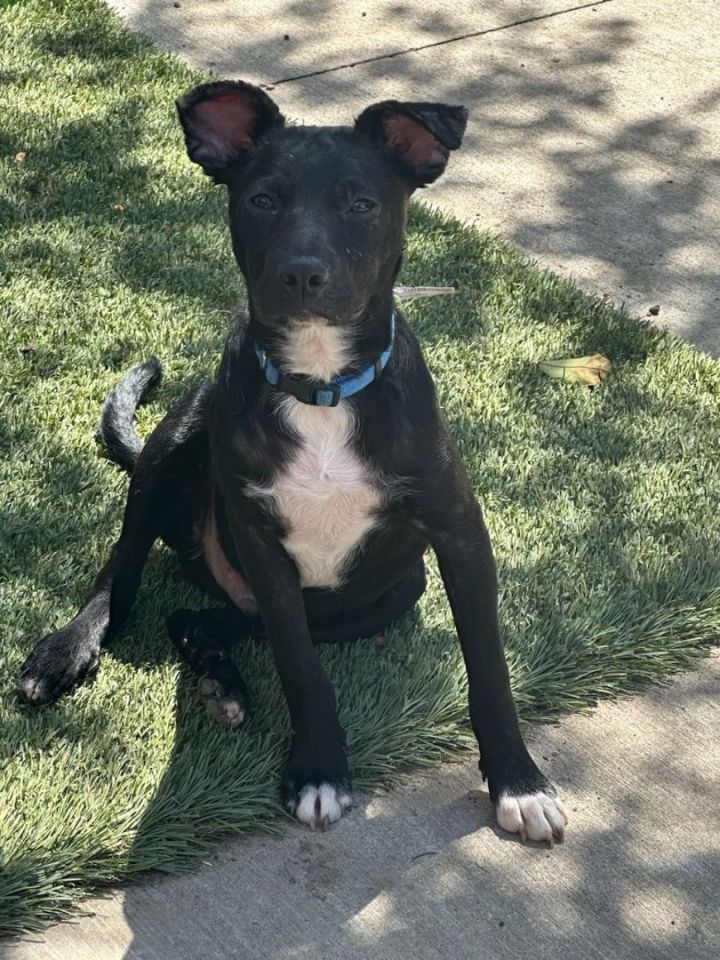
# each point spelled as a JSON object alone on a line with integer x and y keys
{"x": 325, "y": 496}
{"x": 226, "y": 576}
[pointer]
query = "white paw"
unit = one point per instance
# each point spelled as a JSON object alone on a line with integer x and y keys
{"x": 319, "y": 806}
{"x": 535, "y": 816}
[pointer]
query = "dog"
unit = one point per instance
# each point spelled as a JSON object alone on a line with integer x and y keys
{"x": 305, "y": 484}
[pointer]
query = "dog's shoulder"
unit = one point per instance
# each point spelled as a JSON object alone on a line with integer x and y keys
{"x": 405, "y": 410}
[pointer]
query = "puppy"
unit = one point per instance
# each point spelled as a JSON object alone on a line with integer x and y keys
{"x": 305, "y": 484}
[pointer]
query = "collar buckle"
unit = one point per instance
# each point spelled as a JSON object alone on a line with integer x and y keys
{"x": 327, "y": 395}
{"x": 310, "y": 391}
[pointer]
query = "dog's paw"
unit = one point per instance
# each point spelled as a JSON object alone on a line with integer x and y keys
{"x": 55, "y": 665}
{"x": 316, "y": 782}
{"x": 533, "y": 816}
{"x": 227, "y": 707}
{"x": 320, "y": 805}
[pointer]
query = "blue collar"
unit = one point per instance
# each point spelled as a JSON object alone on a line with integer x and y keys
{"x": 316, "y": 392}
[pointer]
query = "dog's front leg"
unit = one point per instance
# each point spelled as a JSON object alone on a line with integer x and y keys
{"x": 316, "y": 781}
{"x": 525, "y": 801}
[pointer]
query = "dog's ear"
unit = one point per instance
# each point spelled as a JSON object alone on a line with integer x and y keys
{"x": 415, "y": 137}
{"x": 223, "y": 121}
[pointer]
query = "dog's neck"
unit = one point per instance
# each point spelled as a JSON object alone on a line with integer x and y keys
{"x": 316, "y": 348}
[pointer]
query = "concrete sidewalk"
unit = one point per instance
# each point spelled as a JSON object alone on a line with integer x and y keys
{"x": 422, "y": 873}
{"x": 593, "y": 146}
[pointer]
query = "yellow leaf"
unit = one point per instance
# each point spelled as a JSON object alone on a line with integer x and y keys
{"x": 588, "y": 370}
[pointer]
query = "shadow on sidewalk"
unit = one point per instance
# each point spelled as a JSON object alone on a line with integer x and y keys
{"x": 633, "y": 198}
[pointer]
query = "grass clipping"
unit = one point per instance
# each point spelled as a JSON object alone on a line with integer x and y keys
{"x": 602, "y": 503}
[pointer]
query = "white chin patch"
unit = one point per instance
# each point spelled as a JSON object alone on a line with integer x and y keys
{"x": 314, "y": 348}
{"x": 534, "y": 816}
{"x": 319, "y": 806}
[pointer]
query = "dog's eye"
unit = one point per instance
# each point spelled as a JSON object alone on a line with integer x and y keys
{"x": 262, "y": 201}
{"x": 362, "y": 206}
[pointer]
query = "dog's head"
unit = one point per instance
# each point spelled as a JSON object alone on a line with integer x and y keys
{"x": 317, "y": 214}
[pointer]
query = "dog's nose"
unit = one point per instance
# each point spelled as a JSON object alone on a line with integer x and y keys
{"x": 304, "y": 275}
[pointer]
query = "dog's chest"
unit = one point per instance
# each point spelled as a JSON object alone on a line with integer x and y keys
{"x": 324, "y": 495}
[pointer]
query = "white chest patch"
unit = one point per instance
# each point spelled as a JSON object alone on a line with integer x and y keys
{"x": 325, "y": 496}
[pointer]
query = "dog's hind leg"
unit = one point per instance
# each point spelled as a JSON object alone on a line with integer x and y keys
{"x": 204, "y": 639}
{"x": 158, "y": 489}
{"x": 223, "y": 626}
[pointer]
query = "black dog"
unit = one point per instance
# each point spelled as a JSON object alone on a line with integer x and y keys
{"x": 306, "y": 483}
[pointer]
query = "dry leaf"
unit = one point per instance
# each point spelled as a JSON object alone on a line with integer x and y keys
{"x": 20, "y": 157}
{"x": 407, "y": 293}
{"x": 119, "y": 207}
{"x": 588, "y": 370}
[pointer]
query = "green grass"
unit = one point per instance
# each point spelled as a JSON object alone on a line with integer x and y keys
{"x": 603, "y": 505}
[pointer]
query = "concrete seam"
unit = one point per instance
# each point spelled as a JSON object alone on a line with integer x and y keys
{"x": 436, "y": 43}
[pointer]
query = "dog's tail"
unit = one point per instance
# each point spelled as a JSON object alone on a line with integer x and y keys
{"x": 116, "y": 431}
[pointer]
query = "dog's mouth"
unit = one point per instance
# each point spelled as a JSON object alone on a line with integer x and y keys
{"x": 299, "y": 317}
{"x": 329, "y": 318}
